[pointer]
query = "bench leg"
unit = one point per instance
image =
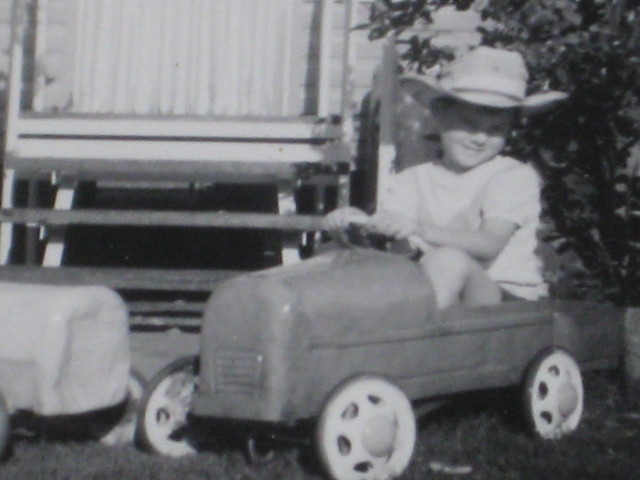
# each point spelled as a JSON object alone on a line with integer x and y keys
{"x": 312, "y": 239}
{"x": 6, "y": 229}
{"x": 290, "y": 240}
{"x": 55, "y": 245}
{"x": 344, "y": 190}
{"x": 32, "y": 233}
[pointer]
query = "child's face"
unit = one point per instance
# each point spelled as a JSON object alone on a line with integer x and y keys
{"x": 471, "y": 134}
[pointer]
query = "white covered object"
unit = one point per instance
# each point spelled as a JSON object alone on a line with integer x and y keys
{"x": 63, "y": 350}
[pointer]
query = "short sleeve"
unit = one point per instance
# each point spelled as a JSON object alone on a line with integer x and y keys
{"x": 402, "y": 194}
{"x": 513, "y": 195}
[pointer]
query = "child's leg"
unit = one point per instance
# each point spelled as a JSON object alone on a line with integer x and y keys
{"x": 457, "y": 277}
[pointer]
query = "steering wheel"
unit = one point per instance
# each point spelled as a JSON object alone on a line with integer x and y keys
{"x": 356, "y": 235}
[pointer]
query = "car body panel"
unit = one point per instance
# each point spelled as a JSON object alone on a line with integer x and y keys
{"x": 276, "y": 343}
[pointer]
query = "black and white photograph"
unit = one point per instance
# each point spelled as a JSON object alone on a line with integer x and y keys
{"x": 319, "y": 239}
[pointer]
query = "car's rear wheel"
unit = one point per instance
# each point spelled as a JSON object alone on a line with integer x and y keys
{"x": 553, "y": 394}
{"x": 367, "y": 430}
{"x": 258, "y": 450}
{"x": 4, "y": 425}
{"x": 162, "y": 424}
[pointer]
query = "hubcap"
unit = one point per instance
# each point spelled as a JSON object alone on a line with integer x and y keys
{"x": 379, "y": 435}
{"x": 567, "y": 399}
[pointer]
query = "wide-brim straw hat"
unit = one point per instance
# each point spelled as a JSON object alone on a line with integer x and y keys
{"x": 484, "y": 76}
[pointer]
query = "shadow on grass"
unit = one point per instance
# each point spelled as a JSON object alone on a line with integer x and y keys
{"x": 82, "y": 427}
{"x": 484, "y": 431}
{"x": 487, "y": 432}
{"x": 503, "y": 406}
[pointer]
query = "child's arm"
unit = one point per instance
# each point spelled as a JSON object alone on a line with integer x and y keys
{"x": 483, "y": 244}
{"x": 341, "y": 218}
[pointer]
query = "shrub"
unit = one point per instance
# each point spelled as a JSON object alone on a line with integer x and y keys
{"x": 587, "y": 150}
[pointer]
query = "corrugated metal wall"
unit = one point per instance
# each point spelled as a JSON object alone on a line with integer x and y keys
{"x": 5, "y": 34}
{"x": 55, "y": 61}
{"x": 5, "y": 29}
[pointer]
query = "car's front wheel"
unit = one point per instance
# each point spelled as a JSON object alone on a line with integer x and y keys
{"x": 367, "y": 430}
{"x": 163, "y": 425}
{"x": 553, "y": 394}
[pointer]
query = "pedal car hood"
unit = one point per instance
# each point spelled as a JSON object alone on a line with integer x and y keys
{"x": 259, "y": 327}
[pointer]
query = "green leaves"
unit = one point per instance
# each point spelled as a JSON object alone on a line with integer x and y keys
{"x": 395, "y": 16}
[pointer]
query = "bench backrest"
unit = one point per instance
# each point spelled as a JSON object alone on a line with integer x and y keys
{"x": 145, "y": 85}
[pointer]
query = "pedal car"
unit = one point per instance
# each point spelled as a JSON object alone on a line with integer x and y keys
{"x": 351, "y": 342}
{"x": 63, "y": 351}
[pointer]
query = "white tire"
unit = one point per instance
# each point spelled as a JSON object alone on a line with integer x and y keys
{"x": 162, "y": 415}
{"x": 554, "y": 395}
{"x": 367, "y": 430}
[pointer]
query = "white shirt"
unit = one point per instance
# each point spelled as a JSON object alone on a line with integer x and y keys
{"x": 502, "y": 188}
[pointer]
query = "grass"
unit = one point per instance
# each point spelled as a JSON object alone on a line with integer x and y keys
{"x": 482, "y": 431}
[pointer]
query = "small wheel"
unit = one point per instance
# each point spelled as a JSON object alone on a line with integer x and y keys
{"x": 554, "y": 395}
{"x": 162, "y": 425}
{"x": 367, "y": 430}
{"x": 121, "y": 429}
{"x": 258, "y": 452}
{"x": 4, "y": 426}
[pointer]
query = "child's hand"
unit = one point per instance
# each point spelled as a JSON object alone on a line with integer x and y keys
{"x": 392, "y": 225}
{"x": 341, "y": 218}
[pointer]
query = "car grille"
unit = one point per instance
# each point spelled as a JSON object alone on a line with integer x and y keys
{"x": 238, "y": 371}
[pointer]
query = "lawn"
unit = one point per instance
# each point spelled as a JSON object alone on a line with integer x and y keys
{"x": 481, "y": 434}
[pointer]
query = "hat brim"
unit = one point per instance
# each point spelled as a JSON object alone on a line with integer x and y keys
{"x": 426, "y": 89}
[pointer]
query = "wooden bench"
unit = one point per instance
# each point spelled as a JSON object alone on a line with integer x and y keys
{"x": 135, "y": 151}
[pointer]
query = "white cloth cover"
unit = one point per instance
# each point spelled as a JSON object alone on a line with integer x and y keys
{"x": 63, "y": 350}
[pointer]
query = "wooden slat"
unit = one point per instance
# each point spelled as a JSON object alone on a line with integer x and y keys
{"x": 162, "y": 218}
{"x": 100, "y": 167}
{"x": 387, "y": 91}
{"x": 146, "y": 307}
{"x": 158, "y": 151}
{"x": 144, "y": 322}
{"x": 119, "y": 278}
{"x": 298, "y": 128}
{"x": 166, "y": 314}
{"x": 184, "y": 170}
{"x": 324, "y": 61}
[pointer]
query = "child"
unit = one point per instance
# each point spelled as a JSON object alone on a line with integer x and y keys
{"x": 477, "y": 210}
